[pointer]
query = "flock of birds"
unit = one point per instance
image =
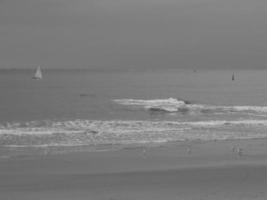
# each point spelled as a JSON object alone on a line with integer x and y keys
{"x": 235, "y": 149}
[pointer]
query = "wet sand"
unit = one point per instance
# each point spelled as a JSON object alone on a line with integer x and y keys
{"x": 198, "y": 170}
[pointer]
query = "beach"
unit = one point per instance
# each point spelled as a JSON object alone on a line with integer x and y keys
{"x": 132, "y": 136}
{"x": 210, "y": 170}
{"x": 133, "y": 100}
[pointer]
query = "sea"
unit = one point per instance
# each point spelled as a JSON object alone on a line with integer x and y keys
{"x": 107, "y": 109}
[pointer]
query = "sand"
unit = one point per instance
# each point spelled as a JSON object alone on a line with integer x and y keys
{"x": 198, "y": 170}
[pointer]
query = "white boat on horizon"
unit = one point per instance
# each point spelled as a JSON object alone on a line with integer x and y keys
{"x": 38, "y": 74}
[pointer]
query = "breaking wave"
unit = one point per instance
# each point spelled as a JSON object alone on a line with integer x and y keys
{"x": 175, "y": 105}
{"x": 96, "y": 132}
{"x": 168, "y": 105}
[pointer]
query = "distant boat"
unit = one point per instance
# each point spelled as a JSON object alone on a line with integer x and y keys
{"x": 38, "y": 74}
{"x": 233, "y": 77}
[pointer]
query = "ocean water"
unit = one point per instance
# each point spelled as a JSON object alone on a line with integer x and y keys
{"x": 107, "y": 108}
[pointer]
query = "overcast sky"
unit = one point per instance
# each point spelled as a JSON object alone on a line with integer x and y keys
{"x": 160, "y": 33}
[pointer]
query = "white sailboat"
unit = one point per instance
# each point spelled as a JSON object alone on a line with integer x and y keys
{"x": 38, "y": 74}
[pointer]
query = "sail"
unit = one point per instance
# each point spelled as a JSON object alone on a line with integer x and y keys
{"x": 38, "y": 73}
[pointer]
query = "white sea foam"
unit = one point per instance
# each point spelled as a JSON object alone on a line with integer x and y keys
{"x": 169, "y": 101}
{"x": 96, "y": 132}
{"x": 175, "y": 105}
{"x": 168, "y": 105}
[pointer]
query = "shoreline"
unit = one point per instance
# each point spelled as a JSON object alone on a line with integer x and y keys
{"x": 210, "y": 171}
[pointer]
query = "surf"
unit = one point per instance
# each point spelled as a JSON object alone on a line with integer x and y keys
{"x": 93, "y": 133}
{"x": 183, "y": 106}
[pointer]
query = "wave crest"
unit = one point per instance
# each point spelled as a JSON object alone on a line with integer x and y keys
{"x": 182, "y": 106}
{"x": 167, "y": 105}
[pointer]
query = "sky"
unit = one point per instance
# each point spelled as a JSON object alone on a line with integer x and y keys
{"x": 133, "y": 33}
